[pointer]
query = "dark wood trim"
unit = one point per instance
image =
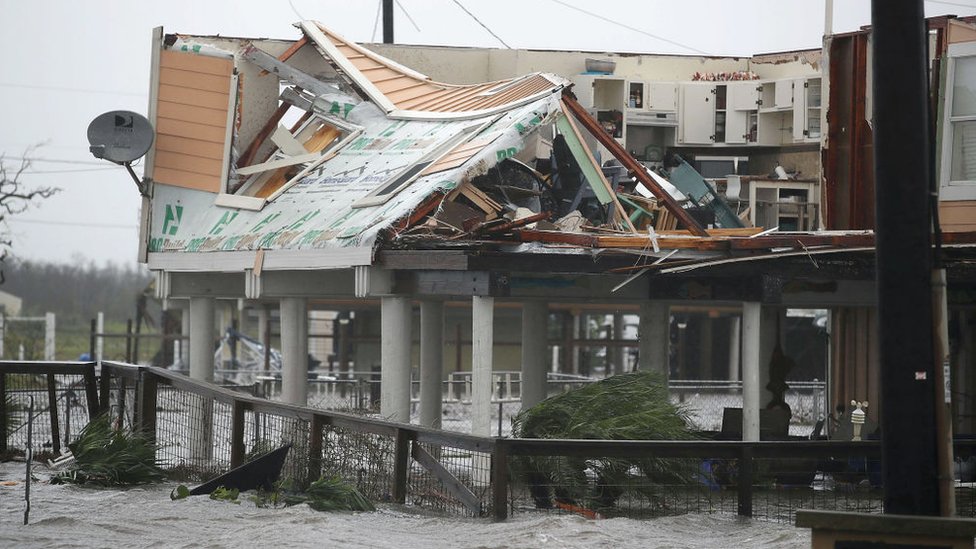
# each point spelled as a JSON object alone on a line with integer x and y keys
{"x": 52, "y": 405}
{"x": 237, "y": 435}
{"x": 401, "y": 465}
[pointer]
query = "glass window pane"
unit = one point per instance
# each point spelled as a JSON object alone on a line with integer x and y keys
{"x": 963, "y": 151}
{"x": 964, "y": 87}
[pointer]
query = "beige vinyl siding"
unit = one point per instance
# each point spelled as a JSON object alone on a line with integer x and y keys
{"x": 191, "y": 120}
{"x": 957, "y": 216}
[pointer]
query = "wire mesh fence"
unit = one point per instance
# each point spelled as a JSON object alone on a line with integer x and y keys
{"x": 55, "y": 402}
{"x": 202, "y": 430}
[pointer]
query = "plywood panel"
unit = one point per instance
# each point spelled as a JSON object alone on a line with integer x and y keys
{"x": 189, "y": 163}
{"x": 199, "y": 98}
{"x": 167, "y": 126}
{"x": 191, "y": 113}
{"x": 958, "y": 216}
{"x": 195, "y": 80}
{"x": 196, "y": 63}
{"x": 189, "y": 180}
{"x": 193, "y": 147}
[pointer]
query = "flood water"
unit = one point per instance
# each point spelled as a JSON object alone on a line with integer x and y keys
{"x": 76, "y": 517}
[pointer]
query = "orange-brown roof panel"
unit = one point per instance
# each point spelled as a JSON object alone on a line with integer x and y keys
{"x": 406, "y": 90}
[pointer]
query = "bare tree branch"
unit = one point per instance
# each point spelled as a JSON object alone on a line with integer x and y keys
{"x": 16, "y": 197}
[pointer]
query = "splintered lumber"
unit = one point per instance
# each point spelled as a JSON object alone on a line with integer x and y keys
{"x": 519, "y": 222}
{"x": 479, "y": 199}
{"x": 801, "y": 241}
{"x": 292, "y": 50}
{"x": 736, "y": 231}
{"x": 629, "y": 162}
{"x": 556, "y": 237}
{"x": 421, "y": 211}
{"x": 619, "y": 209}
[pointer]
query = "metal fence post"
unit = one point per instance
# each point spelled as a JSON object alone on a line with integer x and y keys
{"x": 52, "y": 405}
{"x": 744, "y": 494}
{"x": 401, "y": 465}
{"x": 499, "y": 480}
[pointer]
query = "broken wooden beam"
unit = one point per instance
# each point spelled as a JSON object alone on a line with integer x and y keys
{"x": 630, "y": 163}
{"x": 292, "y": 50}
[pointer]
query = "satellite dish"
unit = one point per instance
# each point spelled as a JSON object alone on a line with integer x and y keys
{"x": 120, "y": 136}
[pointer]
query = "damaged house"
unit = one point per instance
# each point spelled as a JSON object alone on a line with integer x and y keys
{"x": 317, "y": 173}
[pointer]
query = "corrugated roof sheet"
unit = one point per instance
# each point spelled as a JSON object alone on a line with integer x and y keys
{"x": 409, "y": 91}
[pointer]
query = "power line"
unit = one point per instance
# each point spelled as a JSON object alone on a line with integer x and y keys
{"x": 72, "y": 223}
{"x": 957, "y": 4}
{"x": 473, "y": 16}
{"x": 399, "y": 5}
{"x": 79, "y": 170}
{"x": 376, "y": 22}
{"x": 70, "y": 90}
{"x": 57, "y": 160}
{"x": 628, "y": 27}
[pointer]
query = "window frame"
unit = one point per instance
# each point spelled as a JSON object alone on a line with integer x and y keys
{"x": 950, "y": 189}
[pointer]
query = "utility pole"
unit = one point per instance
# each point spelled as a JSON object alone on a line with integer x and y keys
{"x": 904, "y": 257}
{"x": 387, "y": 21}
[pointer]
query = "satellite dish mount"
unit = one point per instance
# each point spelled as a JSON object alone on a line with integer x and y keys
{"x": 122, "y": 137}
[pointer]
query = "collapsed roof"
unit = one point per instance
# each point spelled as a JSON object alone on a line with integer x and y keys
{"x": 319, "y": 153}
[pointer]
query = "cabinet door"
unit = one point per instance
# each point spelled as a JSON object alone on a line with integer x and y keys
{"x": 799, "y": 110}
{"x": 583, "y": 89}
{"x": 662, "y": 96}
{"x": 743, "y": 96}
{"x": 736, "y": 126}
{"x": 784, "y": 94}
{"x": 697, "y": 114}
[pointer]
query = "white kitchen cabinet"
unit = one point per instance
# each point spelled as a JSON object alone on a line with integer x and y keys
{"x": 806, "y": 109}
{"x": 696, "y": 114}
{"x": 742, "y": 105}
{"x": 662, "y": 96}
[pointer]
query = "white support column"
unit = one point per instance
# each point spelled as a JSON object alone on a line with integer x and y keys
{"x": 264, "y": 317}
{"x": 618, "y": 351}
{"x": 431, "y": 362}
{"x": 49, "y": 344}
{"x": 202, "y": 369}
{"x": 294, "y": 350}
{"x": 535, "y": 335}
{"x": 226, "y": 321}
{"x": 735, "y": 338}
{"x": 100, "y": 340}
{"x": 654, "y": 338}
{"x": 751, "y": 330}
{"x": 3, "y": 331}
{"x": 395, "y": 350}
{"x": 185, "y": 342}
{"x": 202, "y": 338}
{"x": 770, "y": 316}
{"x": 482, "y": 339}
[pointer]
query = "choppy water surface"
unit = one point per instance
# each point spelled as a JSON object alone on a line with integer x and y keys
{"x": 75, "y": 517}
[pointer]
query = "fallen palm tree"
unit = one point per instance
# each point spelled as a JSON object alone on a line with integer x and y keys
{"x": 110, "y": 457}
{"x": 632, "y": 406}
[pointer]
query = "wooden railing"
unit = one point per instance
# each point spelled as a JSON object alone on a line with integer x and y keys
{"x": 147, "y": 392}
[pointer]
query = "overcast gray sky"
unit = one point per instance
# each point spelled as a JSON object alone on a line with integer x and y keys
{"x": 66, "y": 61}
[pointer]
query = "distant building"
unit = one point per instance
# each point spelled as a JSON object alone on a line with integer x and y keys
{"x": 10, "y": 304}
